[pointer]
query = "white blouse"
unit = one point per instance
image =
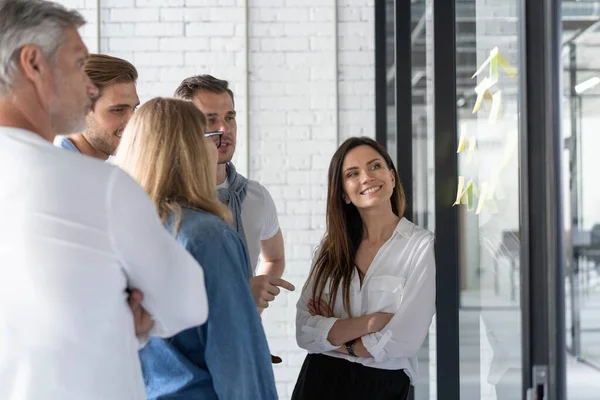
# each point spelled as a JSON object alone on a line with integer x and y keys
{"x": 400, "y": 280}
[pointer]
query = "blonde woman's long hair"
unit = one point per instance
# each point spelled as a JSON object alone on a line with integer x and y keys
{"x": 163, "y": 148}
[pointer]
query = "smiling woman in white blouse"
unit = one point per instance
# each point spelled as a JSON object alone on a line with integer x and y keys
{"x": 370, "y": 297}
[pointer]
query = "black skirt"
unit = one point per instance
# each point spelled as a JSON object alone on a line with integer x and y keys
{"x": 331, "y": 378}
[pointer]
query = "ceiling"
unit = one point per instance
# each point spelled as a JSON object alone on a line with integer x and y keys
{"x": 480, "y": 26}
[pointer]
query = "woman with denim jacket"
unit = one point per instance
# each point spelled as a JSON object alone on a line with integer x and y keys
{"x": 165, "y": 150}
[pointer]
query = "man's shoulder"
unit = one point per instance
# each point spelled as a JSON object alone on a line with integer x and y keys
{"x": 257, "y": 191}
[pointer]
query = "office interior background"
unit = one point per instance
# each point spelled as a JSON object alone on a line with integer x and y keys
{"x": 501, "y": 165}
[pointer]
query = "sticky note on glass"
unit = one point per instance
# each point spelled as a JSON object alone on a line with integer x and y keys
{"x": 464, "y": 192}
{"x": 470, "y": 199}
{"x": 495, "y": 60}
{"x": 496, "y": 112}
{"x": 509, "y": 69}
{"x": 460, "y": 190}
{"x": 494, "y": 66}
{"x": 471, "y": 151}
{"x": 493, "y": 54}
{"x": 482, "y": 197}
{"x": 463, "y": 138}
{"x": 512, "y": 145}
{"x": 483, "y": 92}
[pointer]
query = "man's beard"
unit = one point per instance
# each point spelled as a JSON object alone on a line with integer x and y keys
{"x": 100, "y": 142}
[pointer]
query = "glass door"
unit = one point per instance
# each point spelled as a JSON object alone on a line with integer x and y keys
{"x": 488, "y": 197}
{"x": 580, "y": 100}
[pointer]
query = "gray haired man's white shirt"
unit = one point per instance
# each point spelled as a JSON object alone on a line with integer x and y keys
{"x": 76, "y": 233}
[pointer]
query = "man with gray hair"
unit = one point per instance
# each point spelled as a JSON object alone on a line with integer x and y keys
{"x": 77, "y": 234}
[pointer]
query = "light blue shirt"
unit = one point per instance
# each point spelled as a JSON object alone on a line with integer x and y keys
{"x": 65, "y": 143}
{"x": 228, "y": 357}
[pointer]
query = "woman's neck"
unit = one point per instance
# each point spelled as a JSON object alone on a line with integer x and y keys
{"x": 378, "y": 225}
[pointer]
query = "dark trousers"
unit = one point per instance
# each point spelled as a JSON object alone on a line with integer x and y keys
{"x": 328, "y": 378}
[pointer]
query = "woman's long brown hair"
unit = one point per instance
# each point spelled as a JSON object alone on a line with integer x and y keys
{"x": 335, "y": 264}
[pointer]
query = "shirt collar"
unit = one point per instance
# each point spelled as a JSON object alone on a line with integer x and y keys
{"x": 405, "y": 228}
{"x": 23, "y": 133}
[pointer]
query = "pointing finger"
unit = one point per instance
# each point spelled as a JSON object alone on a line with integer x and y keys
{"x": 282, "y": 283}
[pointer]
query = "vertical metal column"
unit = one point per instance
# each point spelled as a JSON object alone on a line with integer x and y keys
{"x": 542, "y": 232}
{"x": 403, "y": 94}
{"x": 446, "y": 216}
{"x": 380, "y": 74}
{"x": 574, "y": 191}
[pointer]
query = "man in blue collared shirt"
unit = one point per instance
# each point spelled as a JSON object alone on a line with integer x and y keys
{"x": 115, "y": 79}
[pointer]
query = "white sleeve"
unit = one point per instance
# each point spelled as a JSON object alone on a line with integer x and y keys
{"x": 404, "y": 335}
{"x": 170, "y": 279}
{"x": 271, "y": 221}
{"x": 312, "y": 330}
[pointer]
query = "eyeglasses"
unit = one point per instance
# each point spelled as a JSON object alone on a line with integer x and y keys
{"x": 215, "y": 136}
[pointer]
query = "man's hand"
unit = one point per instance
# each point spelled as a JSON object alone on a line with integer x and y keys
{"x": 143, "y": 321}
{"x": 264, "y": 288}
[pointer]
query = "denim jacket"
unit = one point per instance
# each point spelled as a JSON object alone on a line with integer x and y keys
{"x": 227, "y": 357}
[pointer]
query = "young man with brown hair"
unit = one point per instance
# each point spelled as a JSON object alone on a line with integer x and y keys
{"x": 116, "y": 79}
{"x": 253, "y": 208}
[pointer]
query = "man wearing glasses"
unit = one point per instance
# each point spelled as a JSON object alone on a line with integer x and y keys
{"x": 253, "y": 209}
{"x": 216, "y": 137}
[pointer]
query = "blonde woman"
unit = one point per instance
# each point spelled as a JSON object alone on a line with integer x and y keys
{"x": 165, "y": 148}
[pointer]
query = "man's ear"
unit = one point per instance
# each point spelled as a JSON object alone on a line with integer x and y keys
{"x": 32, "y": 63}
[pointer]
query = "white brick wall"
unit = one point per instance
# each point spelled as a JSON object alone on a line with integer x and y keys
{"x": 302, "y": 72}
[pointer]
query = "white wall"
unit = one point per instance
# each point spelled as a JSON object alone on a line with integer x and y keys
{"x": 302, "y": 72}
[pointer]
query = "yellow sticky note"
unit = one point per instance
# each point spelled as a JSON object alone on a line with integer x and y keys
{"x": 465, "y": 195}
{"x": 512, "y": 145}
{"x": 476, "y": 191}
{"x": 463, "y": 137}
{"x": 471, "y": 151}
{"x": 497, "y": 109}
{"x": 493, "y": 54}
{"x": 482, "y": 197}
{"x": 470, "y": 195}
{"x": 483, "y": 92}
{"x": 464, "y": 192}
{"x": 460, "y": 190}
{"x": 494, "y": 68}
{"x": 509, "y": 69}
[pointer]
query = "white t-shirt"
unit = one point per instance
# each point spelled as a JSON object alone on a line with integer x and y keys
{"x": 259, "y": 216}
{"x": 75, "y": 234}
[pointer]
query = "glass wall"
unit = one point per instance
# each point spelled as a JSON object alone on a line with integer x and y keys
{"x": 489, "y": 191}
{"x": 420, "y": 139}
{"x": 423, "y": 164}
{"x": 487, "y": 85}
{"x": 580, "y": 104}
